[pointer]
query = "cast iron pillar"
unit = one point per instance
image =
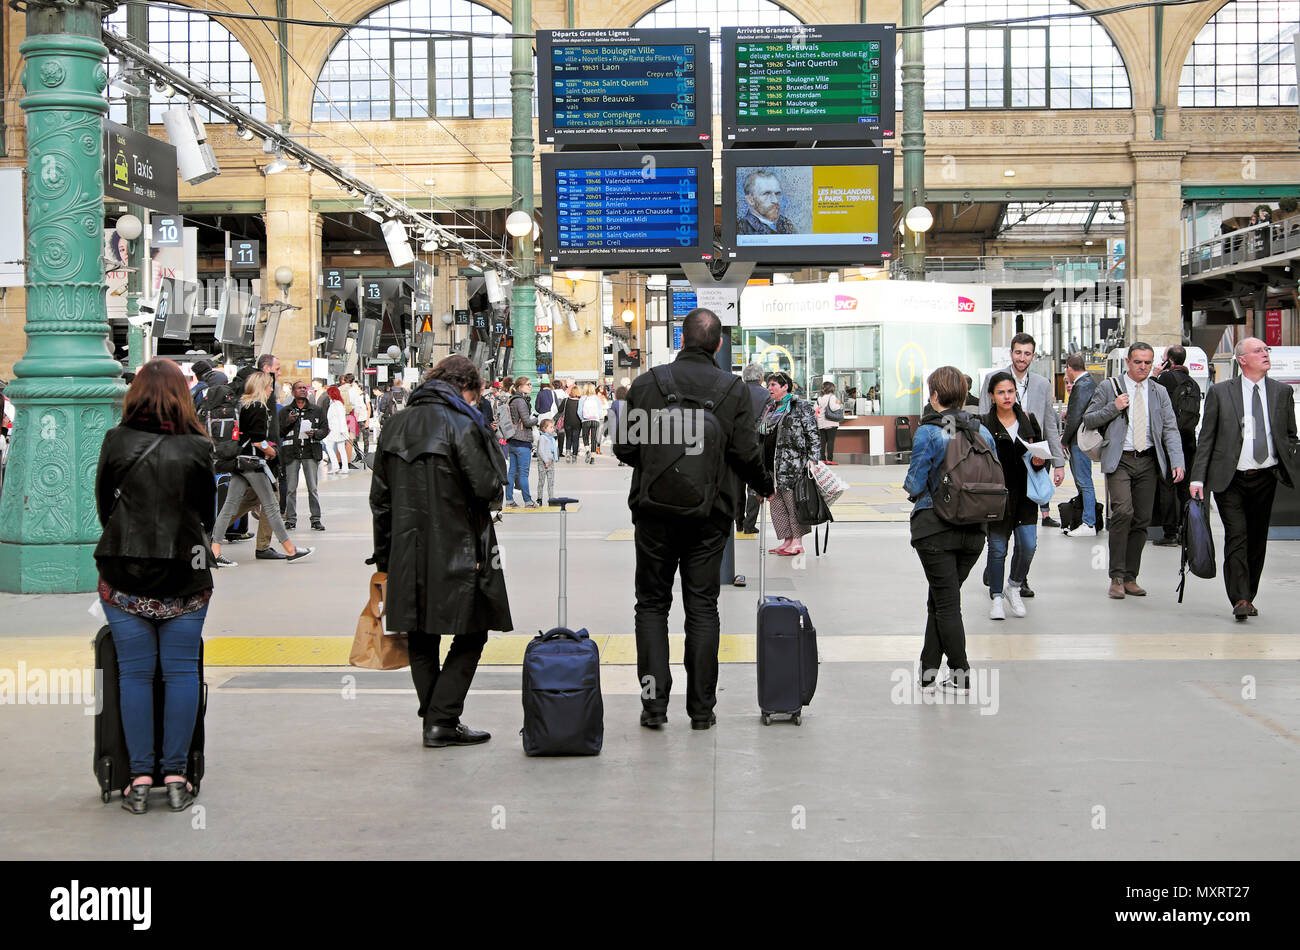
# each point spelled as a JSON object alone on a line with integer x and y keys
{"x": 523, "y": 299}
{"x": 67, "y": 390}
{"x": 913, "y": 136}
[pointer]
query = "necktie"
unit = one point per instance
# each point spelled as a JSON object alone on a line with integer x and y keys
{"x": 1257, "y": 420}
{"x": 1139, "y": 420}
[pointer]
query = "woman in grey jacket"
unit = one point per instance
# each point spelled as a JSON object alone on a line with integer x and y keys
{"x": 788, "y": 428}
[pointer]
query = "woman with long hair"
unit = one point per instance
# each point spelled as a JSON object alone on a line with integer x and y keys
{"x": 788, "y": 429}
{"x": 444, "y": 573}
{"x": 337, "y": 416}
{"x": 252, "y": 473}
{"x": 156, "y": 494}
{"x": 826, "y": 428}
{"x": 592, "y": 411}
{"x": 1012, "y": 430}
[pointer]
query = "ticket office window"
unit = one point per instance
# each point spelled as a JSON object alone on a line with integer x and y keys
{"x": 848, "y": 355}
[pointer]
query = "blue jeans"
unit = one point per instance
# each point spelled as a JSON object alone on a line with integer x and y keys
{"x": 1081, "y": 469}
{"x": 521, "y": 456}
{"x": 1026, "y": 545}
{"x": 140, "y": 642}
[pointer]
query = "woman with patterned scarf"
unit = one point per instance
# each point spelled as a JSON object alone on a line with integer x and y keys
{"x": 788, "y": 428}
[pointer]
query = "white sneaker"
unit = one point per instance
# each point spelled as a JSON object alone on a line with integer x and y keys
{"x": 1014, "y": 602}
{"x": 951, "y": 686}
{"x": 1083, "y": 531}
{"x": 997, "y": 612}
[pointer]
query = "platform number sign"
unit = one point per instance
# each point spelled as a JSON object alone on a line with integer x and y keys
{"x": 374, "y": 290}
{"x": 334, "y": 280}
{"x": 245, "y": 255}
{"x": 167, "y": 231}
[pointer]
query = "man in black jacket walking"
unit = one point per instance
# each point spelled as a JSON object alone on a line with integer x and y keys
{"x": 1172, "y": 498}
{"x": 303, "y": 427}
{"x": 752, "y": 377}
{"x": 691, "y": 542}
{"x": 1082, "y": 386}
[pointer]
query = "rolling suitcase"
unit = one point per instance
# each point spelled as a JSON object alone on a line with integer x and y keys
{"x": 564, "y": 712}
{"x": 112, "y": 763}
{"x": 787, "y": 647}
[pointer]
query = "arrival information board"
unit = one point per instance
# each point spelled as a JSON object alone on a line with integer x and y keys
{"x": 623, "y": 86}
{"x": 824, "y": 81}
{"x": 621, "y": 208}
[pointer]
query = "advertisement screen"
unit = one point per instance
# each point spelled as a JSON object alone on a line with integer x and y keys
{"x": 830, "y": 83}
{"x": 638, "y": 85}
{"x": 826, "y": 202}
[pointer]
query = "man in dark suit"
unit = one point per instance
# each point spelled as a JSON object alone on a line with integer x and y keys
{"x": 1082, "y": 386}
{"x": 1246, "y": 446}
{"x": 1140, "y": 444}
{"x": 1172, "y": 499}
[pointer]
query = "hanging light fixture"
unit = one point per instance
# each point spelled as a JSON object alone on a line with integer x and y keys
{"x": 275, "y": 165}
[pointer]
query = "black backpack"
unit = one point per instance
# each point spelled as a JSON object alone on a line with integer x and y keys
{"x": 972, "y": 487}
{"x": 394, "y": 400}
{"x": 682, "y": 449}
{"x": 1186, "y": 399}
{"x": 219, "y": 414}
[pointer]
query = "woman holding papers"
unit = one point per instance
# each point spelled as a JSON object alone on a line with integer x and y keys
{"x": 1013, "y": 432}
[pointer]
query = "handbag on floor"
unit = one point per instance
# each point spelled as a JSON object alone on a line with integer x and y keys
{"x": 372, "y": 648}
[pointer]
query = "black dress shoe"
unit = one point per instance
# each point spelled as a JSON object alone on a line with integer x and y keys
{"x": 1025, "y": 591}
{"x": 435, "y": 737}
{"x": 653, "y": 720}
{"x": 290, "y": 525}
{"x": 317, "y": 526}
{"x": 1166, "y": 542}
{"x": 236, "y": 538}
{"x": 270, "y": 554}
{"x": 1050, "y": 522}
{"x": 702, "y": 724}
{"x": 1241, "y": 610}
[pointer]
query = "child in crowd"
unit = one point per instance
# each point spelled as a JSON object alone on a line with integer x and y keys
{"x": 546, "y": 454}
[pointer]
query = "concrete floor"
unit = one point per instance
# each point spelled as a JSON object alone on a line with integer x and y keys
{"x": 1134, "y": 729}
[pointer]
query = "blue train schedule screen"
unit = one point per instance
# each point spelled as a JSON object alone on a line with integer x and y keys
{"x": 622, "y": 86}
{"x": 622, "y": 208}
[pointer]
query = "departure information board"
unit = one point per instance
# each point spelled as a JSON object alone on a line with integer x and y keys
{"x": 639, "y": 207}
{"x": 832, "y": 83}
{"x": 624, "y": 86}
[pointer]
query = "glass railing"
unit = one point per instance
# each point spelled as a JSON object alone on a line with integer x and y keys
{"x": 1270, "y": 239}
{"x": 1025, "y": 270}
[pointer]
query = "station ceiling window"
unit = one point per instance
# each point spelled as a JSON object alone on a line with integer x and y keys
{"x": 204, "y": 50}
{"x": 715, "y": 14}
{"x": 377, "y": 76}
{"x": 1028, "y": 218}
{"x": 1245, "y": 56}
{"x": 1048, "y": 64}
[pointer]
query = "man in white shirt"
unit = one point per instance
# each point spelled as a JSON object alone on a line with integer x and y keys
{"x": 1141, "y": 443}
{"x": 1246, "y": 446}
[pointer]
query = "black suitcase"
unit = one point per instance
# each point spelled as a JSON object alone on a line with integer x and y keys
{"x": 112, "y": 763}
{"x": 787, "y": 647}
{"x": 239, "y": 525}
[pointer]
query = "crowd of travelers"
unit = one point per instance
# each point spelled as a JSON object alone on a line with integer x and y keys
{"x": 186, "y": 463}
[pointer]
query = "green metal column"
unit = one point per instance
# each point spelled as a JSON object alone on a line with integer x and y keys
{"x": 913, "y": 136}
{"x": 137, "y": 111}
{"x": 68, "y": 389}
{"x": 523, "y": 300}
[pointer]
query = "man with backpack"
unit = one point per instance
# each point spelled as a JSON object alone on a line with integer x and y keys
{"x": 1185, "y": 394}
{"x": 393, "y": 400}
{"x": 687, "y": 427}
{"x": 1082, "y": 386}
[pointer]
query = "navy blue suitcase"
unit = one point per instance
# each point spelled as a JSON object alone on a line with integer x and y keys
{"x": 787, "y": 648}
{"x": 564, "y": 712}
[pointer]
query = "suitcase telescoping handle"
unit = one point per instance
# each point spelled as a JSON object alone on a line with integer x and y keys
{"x": 762, "y": 549}
{"x": 564, "y": 557}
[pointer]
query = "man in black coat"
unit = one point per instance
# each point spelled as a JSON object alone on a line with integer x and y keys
{"x": 1171, "y": 498}
{"x": 752, "y": 377}
{"x": 437, "y": 474}
{"x": 304, "y": 427}
{"x": 1247, "y": 445}
{"x": 669, "y": 468}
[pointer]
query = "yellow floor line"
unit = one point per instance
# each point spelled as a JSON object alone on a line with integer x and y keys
{"x": 508, "y": 649}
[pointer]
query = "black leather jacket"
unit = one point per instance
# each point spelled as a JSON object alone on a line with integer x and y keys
{"x": 292, "y": 445}
{"x": 437, "y": 472}
{"x": 164, "y": 515}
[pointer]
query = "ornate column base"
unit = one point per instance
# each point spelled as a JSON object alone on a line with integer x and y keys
{"x": 49, "y": 523}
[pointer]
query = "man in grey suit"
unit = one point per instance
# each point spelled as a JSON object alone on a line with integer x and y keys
{"x": 1034, "y": 393}
{"x": 1140, "y": 444}
{"x": 1247, "y": 445}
